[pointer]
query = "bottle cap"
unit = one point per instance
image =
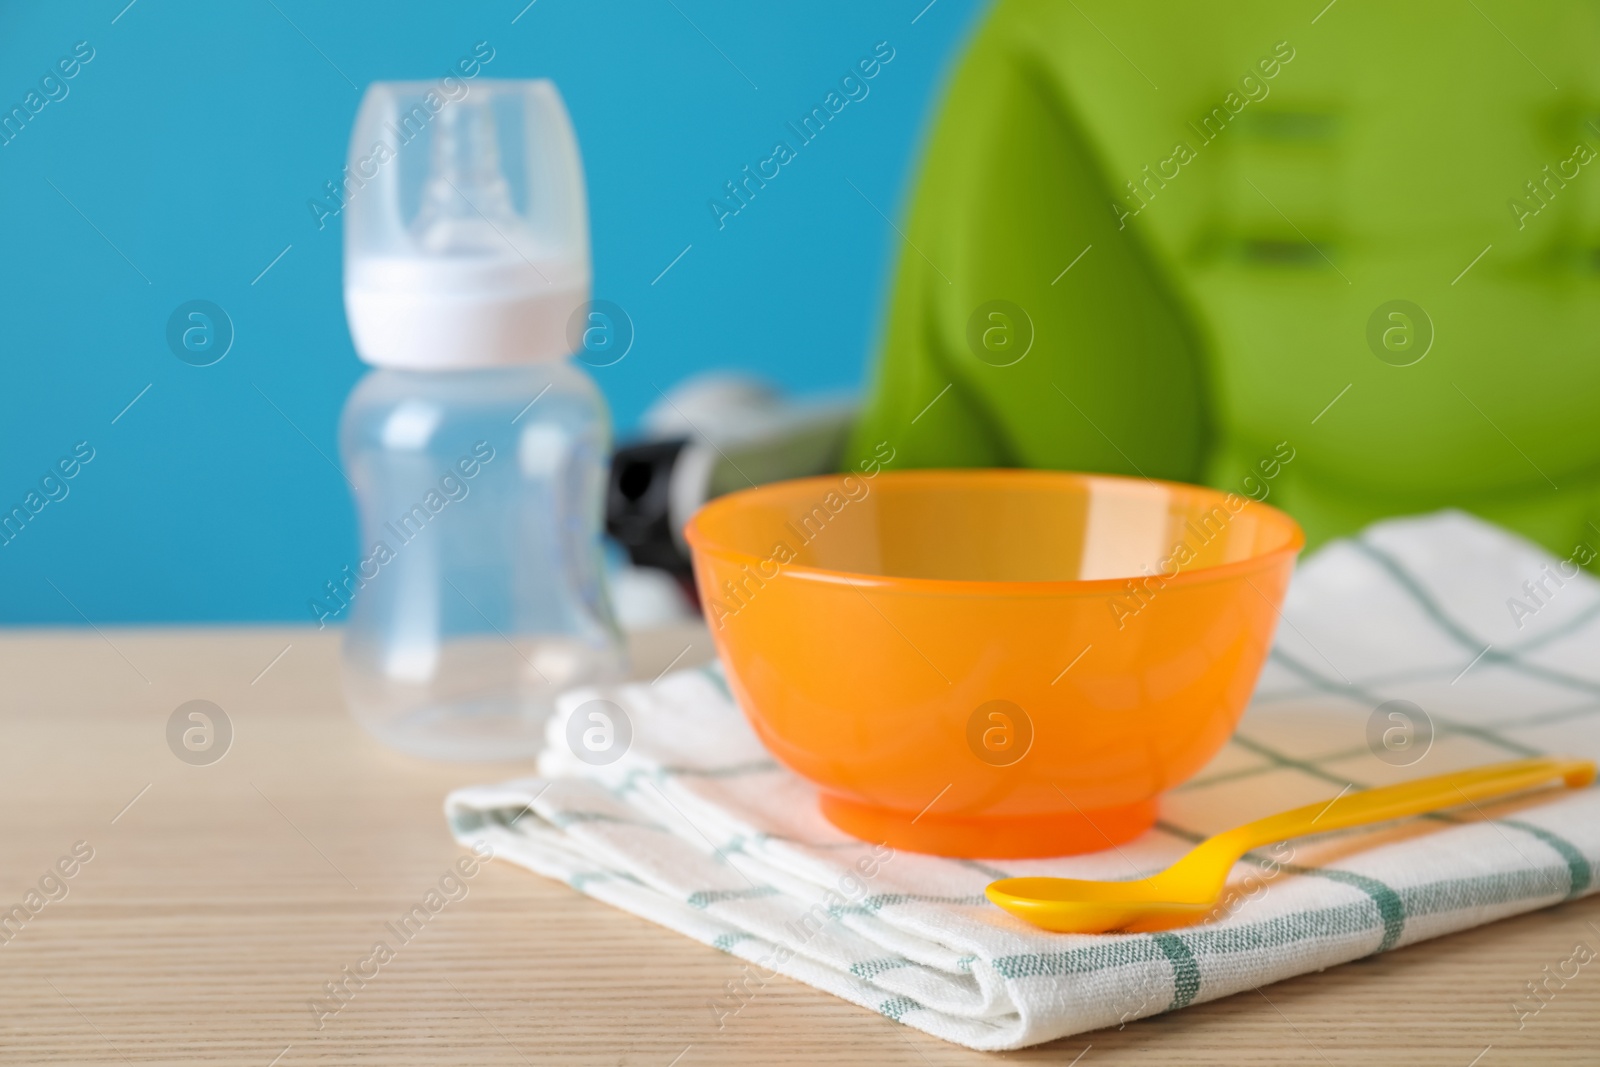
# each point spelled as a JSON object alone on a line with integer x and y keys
{"x": 466, "y": 226}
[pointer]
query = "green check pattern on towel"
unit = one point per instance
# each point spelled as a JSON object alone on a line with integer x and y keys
{"x": 697, "y": 829}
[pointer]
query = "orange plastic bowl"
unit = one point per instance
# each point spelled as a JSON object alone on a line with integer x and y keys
{"x": 992, "y": 663}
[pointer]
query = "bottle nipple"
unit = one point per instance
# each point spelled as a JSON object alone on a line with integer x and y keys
{"x": 466, "y": 201}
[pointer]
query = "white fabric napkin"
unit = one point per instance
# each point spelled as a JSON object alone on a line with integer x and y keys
{"x": 696, "y": 828}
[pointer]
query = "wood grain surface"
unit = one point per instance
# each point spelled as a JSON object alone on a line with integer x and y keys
{"x": 221, "y": 898}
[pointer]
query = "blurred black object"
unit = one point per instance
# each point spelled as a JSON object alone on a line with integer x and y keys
{"x": 638, "y": 513}
{"x": 708, "y": 437}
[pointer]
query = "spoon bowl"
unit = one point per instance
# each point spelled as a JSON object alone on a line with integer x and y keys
{"x": 1068, "y": 905}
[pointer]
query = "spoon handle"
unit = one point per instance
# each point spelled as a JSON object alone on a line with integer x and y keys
{"x": 1397, "y": 801}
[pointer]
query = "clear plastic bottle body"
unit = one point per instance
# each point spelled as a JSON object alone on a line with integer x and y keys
{"x": 480, "y": 591}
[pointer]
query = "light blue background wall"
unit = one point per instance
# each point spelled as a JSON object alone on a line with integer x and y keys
{"x": 188, "y": 149}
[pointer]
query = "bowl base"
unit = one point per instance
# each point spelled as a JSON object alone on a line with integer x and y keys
{"x": 994, "y": 836}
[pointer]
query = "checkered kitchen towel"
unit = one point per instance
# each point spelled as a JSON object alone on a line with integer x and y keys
{"x": 1491, "y": 642}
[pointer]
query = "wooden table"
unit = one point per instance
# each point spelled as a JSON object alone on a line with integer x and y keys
{"x": 221, "y": 898}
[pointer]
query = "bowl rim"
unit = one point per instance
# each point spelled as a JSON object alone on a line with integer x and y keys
{"x": 701, "y": 543}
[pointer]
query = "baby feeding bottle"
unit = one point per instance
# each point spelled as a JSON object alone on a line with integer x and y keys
{"x": 476, "y": 449}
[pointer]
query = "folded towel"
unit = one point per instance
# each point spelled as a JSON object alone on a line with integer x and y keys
{"x": 1422, "y": 646}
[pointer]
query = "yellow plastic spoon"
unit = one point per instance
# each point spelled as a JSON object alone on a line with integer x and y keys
{"x": 1188, "y": 891}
